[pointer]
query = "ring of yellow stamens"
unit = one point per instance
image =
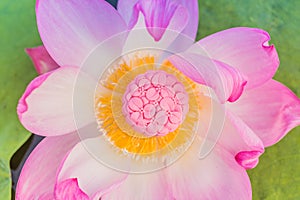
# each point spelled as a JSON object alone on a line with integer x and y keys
{"x": 113, "y": 123}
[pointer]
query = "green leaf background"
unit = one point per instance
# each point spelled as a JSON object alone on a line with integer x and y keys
{"x": 278, "y": 174}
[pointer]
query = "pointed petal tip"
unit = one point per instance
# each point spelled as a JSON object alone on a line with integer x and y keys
{"x": 38, "y": 109}
{"x": 34, "y": 84}
{"x": 69, "y": 189}
{"x": 248, "y": 159}
{"x": 41, "y": 59}
{"x": 239, "y": 88}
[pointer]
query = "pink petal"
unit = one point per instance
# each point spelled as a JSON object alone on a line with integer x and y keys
{"x": 93, "y": 177}
{"x": 188, "y": 35}
{"x": 241, "y": 141}
{"x": 141, "y": 186}
{"x": 214, "y": 177}
{"x": 246, "y": 49}
{"x": 224, "y": 128}
{"x": 227, "y": 82}
{"x": 70, "y": 29}
{"x": 155, "y": 24}
{"x": 70, "y": 190}
{"x": 192, "y": 27}
{"x": 270, "y": 110}
{"x": 157, "y": 14}
{"x": 37, "y": 178}
{"x": 46, "y": 107}
{"x": 126, "y": 9}
{"x": 248, "y": 159}
{"x": 41, "y": 59}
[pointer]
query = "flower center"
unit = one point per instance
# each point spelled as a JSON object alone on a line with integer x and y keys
{"x": 155, "y": 103}
{"x": 146, "y": 109}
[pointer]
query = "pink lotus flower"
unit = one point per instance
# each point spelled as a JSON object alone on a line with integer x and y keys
{"x": 144, "y": 114}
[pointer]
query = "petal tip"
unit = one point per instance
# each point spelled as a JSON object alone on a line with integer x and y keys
{"x": 248, "y": 159}
{"x": 269, "y": 48}
{"x": 235, "y": 96}
{"x": 37, "y": 5}
{"x": 69, "y": 189}
{"x": 41, "y": 59}
{"x": 22, "y": 106}
{"x": 272, "y": 52}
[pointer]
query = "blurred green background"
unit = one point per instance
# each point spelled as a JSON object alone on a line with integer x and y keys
{"x": 278, "y": 173}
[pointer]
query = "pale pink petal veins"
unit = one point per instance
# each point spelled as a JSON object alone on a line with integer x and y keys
{"x": 93, "y": 177}
{"x": 126, "y": 9}
{"x": 246, "y": 49}
{"x": 37, "y": 178}
{"x": 141, "y": 186}
{"x": 41, "y": 59}
{"x": 46, "y": 105}
{"x": 70, "y": 29}
{"x": 217, "y": 176}
{"x": 226, "y": 81}
{"x": 270, "y": 110}
{"x": 214, "y": 177}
